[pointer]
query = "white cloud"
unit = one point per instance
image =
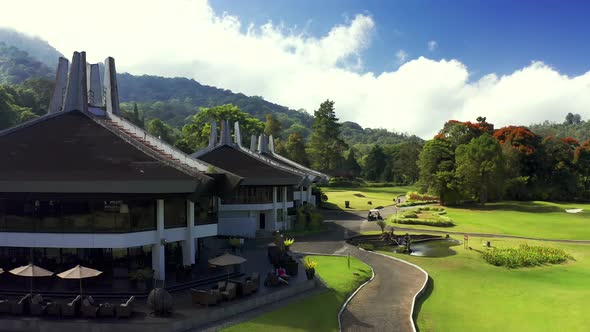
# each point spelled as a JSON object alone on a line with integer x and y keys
{"x": 401, "y": 56}
{"x": 432, "y": 45}
{"x": 290, "y": 67}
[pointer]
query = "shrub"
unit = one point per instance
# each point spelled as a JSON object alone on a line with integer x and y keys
{"x": 289, "y": 242}
{"x": 410, "y": 214}
{"x": 414, "y": 203}
{"x": 525, "y": 255}
{"x": 367, "y": 246}
{"x": 446, "y": 222}
{"x": 416, "y": 196}
{"x": 382, "y": 225}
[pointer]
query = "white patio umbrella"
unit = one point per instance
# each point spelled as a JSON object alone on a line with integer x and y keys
{"x": 227, "y": 260}
{"x": 31, "y": 271}
{"x": 79, "y": 272}
{"x": 1, "y": 271}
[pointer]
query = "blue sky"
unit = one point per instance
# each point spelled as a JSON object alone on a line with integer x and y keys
{"x": 487, "y": 36}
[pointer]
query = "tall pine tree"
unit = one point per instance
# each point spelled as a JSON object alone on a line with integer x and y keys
{"x": 325, "y": 145}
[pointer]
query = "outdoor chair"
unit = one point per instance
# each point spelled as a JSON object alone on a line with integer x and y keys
{"x": 4, "y": 306}
{"x": 230, "y": 292}
{"x": 38, "y": 305}
{"x": 249, "y": 287}
{"x": 106, "y": 310}
{"x": 20, "y": 307}
{"x": 54, "y": 309}
{"x": 71, "y": 309}
{"x": 89, "y": 309}
{"x": 205, "y": 298}
{"x": 125, "y": 310}
{"x": 221, "y": 285}
{"x": 255, "y": 277}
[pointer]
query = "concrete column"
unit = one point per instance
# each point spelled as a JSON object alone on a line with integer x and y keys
{"x": 309, "y": 200}
{"x": 158, "y": 254}
{"x": 285, "y": 207}
{"x": 274, "y": 209}
{"x": 188, "y": 245}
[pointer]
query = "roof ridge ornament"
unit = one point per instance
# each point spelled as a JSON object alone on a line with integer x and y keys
{"x": 110, "y": 86}
{"x": 76, "y": 92}
{"x": 61, "y": 82}
{"x": 237, "y": 134}
{"x": 253, "y": 143}
{"x": 213, "y": 134}
{"x": 225, "y": 134}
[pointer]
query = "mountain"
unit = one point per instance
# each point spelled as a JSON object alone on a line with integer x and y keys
{"x": 35, "y": 46}
{"x": 17, "y": 65}
{"x": 173, "y": 100}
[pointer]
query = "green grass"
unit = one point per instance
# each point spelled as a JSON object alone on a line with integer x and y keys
{"x": 318, "y": 312}
{"x": 469, "y": 294}
{"x": 383, "y": 196}
{"x": 532, "y": 219}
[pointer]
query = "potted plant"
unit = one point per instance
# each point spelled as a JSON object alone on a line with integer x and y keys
{"x": 288, "y": 243}
{"x": 141, "y": 276}
{"x": 310, "y": 268}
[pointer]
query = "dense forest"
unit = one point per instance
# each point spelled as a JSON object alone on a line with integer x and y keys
{"x": 475, "y": 162}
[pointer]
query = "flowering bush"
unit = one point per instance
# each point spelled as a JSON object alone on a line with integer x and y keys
{"x": 525, "y": 255}
{"x": 416, "y": 196}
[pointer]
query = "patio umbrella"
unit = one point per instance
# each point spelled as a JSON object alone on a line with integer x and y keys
{"x": 31, "y": 271}
{"x": 227, "y": 260}
{"x": 79, "y": 272}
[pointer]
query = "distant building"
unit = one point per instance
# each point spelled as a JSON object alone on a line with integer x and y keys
{"x": 271, "y": 186}
{"x": 81, "y": 185}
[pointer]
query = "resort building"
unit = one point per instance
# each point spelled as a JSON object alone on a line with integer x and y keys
{"x": 271, "y": 185}
{"x": 81, "y": 185}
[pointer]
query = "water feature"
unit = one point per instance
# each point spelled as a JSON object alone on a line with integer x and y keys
{"x": 434, "y": 248}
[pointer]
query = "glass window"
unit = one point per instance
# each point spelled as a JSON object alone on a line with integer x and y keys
{"x": 206, "y": 210}
{"x": 174, "y": 213}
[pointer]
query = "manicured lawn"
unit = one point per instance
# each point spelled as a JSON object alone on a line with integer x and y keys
{"x": 472, "y": 295}
{"x": 533, "y": 219}
{"x": 383, "y": 196}
{"x": 318, "y": 312}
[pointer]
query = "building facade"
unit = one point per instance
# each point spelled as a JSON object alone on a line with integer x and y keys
{"x": 271, "y": 188}
{"x": 82, "y": 185}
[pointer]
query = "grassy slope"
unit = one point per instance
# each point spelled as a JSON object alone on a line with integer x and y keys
{"x": 318, "y": 312}
{"x": 533, "y": 219}
{"x": 471, "y": 295}
{"x": 377, "y": 195}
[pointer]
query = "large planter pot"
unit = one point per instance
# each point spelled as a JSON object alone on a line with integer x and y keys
{"x": 310, "y": 273}
{"x": 160, "y": 301}
{"x": 291, "y": 267}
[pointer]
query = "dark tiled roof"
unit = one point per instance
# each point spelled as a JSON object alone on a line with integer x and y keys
{"x": 254, "y": 169}
{"x": 85, "y": 152}
{"x": 317, "y": 176}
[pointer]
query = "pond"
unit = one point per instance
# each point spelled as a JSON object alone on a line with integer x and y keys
{"x": 434, "y": 248}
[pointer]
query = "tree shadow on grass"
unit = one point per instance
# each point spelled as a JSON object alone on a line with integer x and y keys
{"x": 420, "y": 301}
{"x": 530, "y": 207}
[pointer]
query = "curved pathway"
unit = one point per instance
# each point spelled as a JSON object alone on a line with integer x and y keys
{"x": 385, "y": 303}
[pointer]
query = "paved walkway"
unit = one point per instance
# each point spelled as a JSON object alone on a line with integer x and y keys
{"x": 385, "y": 303}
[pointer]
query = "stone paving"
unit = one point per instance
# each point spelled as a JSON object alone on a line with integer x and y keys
{"x": 385, "y": 303}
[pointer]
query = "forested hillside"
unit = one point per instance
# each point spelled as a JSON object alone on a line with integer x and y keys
{"x": 572, "y": 126}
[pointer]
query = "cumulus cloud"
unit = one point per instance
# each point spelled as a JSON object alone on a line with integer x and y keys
{"x": 401, "y": 56}
{"x": 288, "y": 66}
{"x": 432, "y": 45}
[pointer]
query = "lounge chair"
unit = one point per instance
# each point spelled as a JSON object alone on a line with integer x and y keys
{"x": 71, "y": 309}
{"x": 54, "y": 309}
{"x": 4, "y": 305}
{"x": 106, "y": 310}
{"x": 89, "y": 308}
{"x": 38, "y": 305}
{"x": 230, "y": 292}
{"x": 20, "y": 307}
{"x": 249, "y": 287}
{"x": 125, "y": 310}
{"x": 255, "y": 277}
{"x": 205, "y": 298}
